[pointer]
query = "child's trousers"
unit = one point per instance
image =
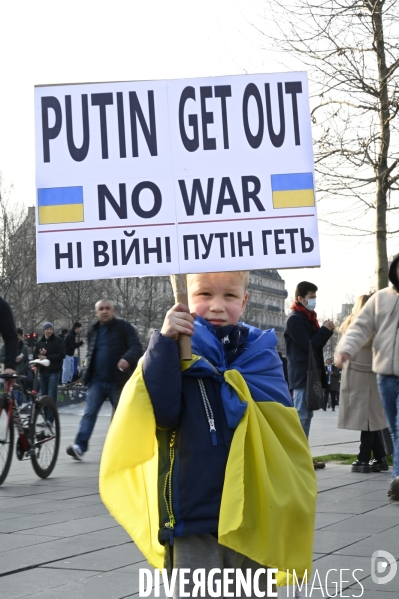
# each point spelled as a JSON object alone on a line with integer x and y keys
{"x": 204, "y": 552}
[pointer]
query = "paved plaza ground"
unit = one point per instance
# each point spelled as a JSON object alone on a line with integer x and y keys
{"x": 57, "y": 540}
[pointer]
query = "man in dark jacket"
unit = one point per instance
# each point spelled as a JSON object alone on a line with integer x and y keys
{"x": 302, "y": 326}
{"x": 332, "y": 385}
{"x": 112, "y": 355}
{"x": 52, "y": 348}
{"x": 9, "y": 334}
{"x": 70, "y": 345}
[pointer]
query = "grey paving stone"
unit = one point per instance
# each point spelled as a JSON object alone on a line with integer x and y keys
{"x": 369, "y": 524}
{"x": 327, "y": 542}
{"x": 15, "y": 502}
{"x": 50, "y": 551}
{"x": 7, "y": 515}
{"x": 56, "y": 523}
{"x": 387, "y": 540}
{"x": 23, "y": 584}
{"x": 354, "y": 506}
{"x": 390, "y": 587}
{"x": 92, "y": 557}
{"x": 16, "y": 541}
{"x": 391, "y": 510}
{"x": 338, "y": 563}
{"x": 110, "y": 585}
{"x": 325, "y": 519}
{"x": 69, "y": 510}
{"x": 122, "y": 558}
{"x": 67, "y": 527}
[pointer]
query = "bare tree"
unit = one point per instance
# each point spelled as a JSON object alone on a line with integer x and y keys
{"x": 18, "y": 260}
{"x": 142, "y": 301}
{"x": 72, "y": 301}
{"x": 352, "y": 51}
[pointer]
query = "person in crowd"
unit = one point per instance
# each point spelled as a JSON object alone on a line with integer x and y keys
{"x": 52, "y": 348}
{"x": 301, "y": 328}
{"x": 332, "y": 385}
{"x": 284, "y": 362}
{"x": 361, "y": 408}
{"x": 9, "y": 334}
{"x": 112, "y": 355}
{"x": 22, "y": 361}
{"x": 210, "y": 444}
{"x": 380, "y": 316}
{"x": 70, "y": 345}
{"x": 63, "y": 334}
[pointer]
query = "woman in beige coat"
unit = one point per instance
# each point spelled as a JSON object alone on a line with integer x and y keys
{"x": 360, "y": 406}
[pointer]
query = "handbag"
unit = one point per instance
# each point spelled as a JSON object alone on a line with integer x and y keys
{"x": 386, "y": 440}
{"x": 314, "y": 390}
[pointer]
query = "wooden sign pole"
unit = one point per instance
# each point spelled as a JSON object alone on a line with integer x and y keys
{"x": 179, "y": 284}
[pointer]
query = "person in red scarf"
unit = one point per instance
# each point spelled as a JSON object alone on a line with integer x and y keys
{"x": 302, "y": 326}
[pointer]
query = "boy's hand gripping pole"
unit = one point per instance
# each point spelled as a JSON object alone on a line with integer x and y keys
{"x": 179, "y": 284}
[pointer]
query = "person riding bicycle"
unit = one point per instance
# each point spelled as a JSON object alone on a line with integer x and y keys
{"x": 9, "y": 334}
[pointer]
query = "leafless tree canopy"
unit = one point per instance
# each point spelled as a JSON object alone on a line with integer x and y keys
{"x": 143, "y": 302}
{"x": 351, "y": 49}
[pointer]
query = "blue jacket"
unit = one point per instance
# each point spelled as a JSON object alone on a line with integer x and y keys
{"x": 123, "y": 343}
{"x": 200, "y": 456}
{"x": 298, "y": 332}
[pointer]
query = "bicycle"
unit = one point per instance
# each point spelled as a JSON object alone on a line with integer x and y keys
{"x": 37, "y": 424}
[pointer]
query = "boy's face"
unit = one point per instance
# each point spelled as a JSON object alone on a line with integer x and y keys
{"x": 218, "y": 297}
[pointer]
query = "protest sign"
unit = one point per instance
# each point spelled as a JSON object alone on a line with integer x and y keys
{"x": 189, "y": 175}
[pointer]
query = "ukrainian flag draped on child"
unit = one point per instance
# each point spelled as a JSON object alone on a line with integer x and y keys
{"x": 269, "y": 495}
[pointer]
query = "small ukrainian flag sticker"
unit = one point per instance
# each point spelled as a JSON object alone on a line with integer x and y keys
{"x": 60, "y": 205}
{"x": 294, "y": 190}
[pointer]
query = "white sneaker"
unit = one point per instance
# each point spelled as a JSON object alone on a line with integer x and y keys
{"x": 75, "y": 452}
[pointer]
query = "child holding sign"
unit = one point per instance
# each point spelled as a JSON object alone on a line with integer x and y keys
{"x": 206, "y": 464}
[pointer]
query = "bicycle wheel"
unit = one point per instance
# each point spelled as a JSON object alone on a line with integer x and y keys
{"x": 46, "y": 437}
{"x": 6, "y": 441}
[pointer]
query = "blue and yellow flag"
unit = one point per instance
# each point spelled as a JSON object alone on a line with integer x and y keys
{"x": 294, "y": 190}
{"x": 269, "y": 495}
{"x": 60, "y": 205}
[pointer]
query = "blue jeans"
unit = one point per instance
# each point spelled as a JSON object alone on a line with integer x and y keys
{"x": 19, "y": 396}
{"x": 97, "y": 393}
{"x": 305, "y": 415}
{"x": 67, "y": 369}
{"x": 49, "y": 386}
{"x": 388, "y": 386}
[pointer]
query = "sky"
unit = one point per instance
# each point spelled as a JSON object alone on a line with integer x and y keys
{"x": 47, "y": 42}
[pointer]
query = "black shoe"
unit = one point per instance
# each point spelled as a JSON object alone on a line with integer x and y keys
{"x": 360, "y": 467}
{"x": 318, "y": 465}
{"x": 378, "y": 465}
{"x": 393, "y": 492}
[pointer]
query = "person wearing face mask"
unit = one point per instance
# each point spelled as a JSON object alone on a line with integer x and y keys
{"x": 302, "y": 326}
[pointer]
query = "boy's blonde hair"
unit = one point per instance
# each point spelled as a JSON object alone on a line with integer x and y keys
{"x": 244, "y": 275}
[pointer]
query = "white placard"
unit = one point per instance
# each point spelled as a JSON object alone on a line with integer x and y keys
{"x": 164, "y": 177}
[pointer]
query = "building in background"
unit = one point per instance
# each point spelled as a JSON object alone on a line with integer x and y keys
{"x": 346, "y": 309}
{"x": 141, "y": 301}
{"x": 265, "y": 309}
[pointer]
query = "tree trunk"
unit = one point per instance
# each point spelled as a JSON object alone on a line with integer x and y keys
{"x": 381, "y": 187}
